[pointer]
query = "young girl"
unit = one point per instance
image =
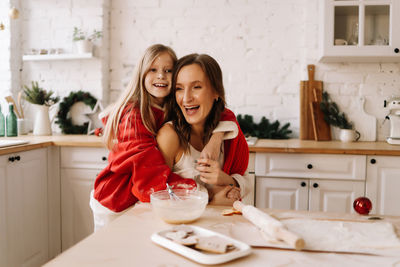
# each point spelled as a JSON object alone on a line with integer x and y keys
{"x": 136, "y": 167}
{"x": 195, "y": 112}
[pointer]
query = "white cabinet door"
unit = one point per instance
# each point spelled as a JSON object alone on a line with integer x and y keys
{"x": 280, "y": 193}
{"x": 334, "y": 196}
{"x": 76, "y": 214}
{"x": 383, "y": 184}
{"x": 3, "y": 212}
{"x": 27, "y": 215}
{"x": 79, "y": 168}
{"x": 359, "y": 31}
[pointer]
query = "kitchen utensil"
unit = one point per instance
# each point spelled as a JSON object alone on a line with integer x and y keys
{"x": 306, "y": 97}
{"x": 321, "y": 129}
{"x": 21, "y": 110}
{"x": 189, "y": 208}
{"x": 269, "y": 225}
{"x": 10, "y": 99}
{"x": 171, "y": 193}
{"x": 393, "y": 104}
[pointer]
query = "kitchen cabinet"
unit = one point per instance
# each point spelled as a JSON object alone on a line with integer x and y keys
{"x": 79, "y": 168}
{"x": 23, "y": 209}
{"x": 313, "y": 182}
{"x": 383, "y": 184}
{"x": 250, "y": 197}
{"x": 359, "y": 31}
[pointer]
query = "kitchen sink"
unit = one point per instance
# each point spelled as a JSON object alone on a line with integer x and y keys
{"x": 14, "y": 142}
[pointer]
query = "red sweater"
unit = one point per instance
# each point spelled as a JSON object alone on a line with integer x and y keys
{"x": 137, "y": 168}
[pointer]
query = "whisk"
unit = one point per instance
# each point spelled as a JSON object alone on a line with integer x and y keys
{"x": 171, "y": 193}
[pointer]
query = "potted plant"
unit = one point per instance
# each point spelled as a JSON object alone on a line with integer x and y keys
{"x": 83, "y": 41}
{"x": 42, "y": 100}
{"x": 334, "y": 117}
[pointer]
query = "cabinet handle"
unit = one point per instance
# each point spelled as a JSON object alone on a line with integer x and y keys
{"x": 309, "y": 166}
{"x": 315, "y": 185}
{"x": 11, "y": 159}
{"x": 373, "y": 161}
{"x": 396, "y": 50}
{"x": 303, "y": 184}
{"x": 104, "y": 158}
{"x": 17, "y": 158}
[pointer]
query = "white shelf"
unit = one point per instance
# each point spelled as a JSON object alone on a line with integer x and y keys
{"x": 56, "y": 57}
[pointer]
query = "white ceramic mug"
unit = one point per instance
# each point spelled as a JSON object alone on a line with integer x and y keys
{"x": 348, "y": 135}
{"x": 340, "y": 42}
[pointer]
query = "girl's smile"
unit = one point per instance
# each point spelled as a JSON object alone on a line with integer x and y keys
{"x": 158, "y": 78}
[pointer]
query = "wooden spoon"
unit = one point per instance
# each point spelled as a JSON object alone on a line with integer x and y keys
{"x": 20, "y": 105}
{"x": 10, "y": 99}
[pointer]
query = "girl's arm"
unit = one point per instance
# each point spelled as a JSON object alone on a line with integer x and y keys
{"x": 225, "y": 130}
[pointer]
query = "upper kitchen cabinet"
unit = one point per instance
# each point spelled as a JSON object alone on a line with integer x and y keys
{"x": 359, "y": 31}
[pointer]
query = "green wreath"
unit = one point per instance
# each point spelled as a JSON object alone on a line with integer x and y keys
{"x": 66, "y": 123}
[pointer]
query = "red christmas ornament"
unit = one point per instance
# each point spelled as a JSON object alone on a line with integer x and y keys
{"x": 362, "y": 205}
{"x": 98, "y": 131}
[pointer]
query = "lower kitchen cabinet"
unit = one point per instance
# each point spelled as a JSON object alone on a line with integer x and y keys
{"x": 334, "y": 195}
{"x": 309, "y": 181}
{"x": 24, "y": 236}
{"x": 307, "y": 194}
{"x": 383, "y": 184}
{"x": 79, "y": 168}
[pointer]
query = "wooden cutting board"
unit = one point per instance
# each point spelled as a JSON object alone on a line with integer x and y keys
{"x": 311, "y": 91}
{"x": 322, "y": 130}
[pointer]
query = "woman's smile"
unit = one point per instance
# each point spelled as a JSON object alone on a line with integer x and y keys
{"x": 194, "y": 94}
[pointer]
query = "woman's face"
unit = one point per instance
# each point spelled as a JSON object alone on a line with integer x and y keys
{"x": 158, "y": 79}
{"x": 194, "y": 94}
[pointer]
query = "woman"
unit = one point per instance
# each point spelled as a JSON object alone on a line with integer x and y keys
{"x": 194, "y": 112}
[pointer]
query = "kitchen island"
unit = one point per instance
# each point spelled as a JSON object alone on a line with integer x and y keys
{"x": 126, "y": 242}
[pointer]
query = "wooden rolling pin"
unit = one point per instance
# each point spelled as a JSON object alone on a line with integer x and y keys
{"x": 269, "y": 225}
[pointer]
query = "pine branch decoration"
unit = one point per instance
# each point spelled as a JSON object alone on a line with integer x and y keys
{"x": 39, "y": 96}
{"x": 332, "y": 114}
{"x": 264, "y": 129}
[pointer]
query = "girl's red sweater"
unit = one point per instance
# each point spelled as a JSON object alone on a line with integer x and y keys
{"x": 136, "y": 168}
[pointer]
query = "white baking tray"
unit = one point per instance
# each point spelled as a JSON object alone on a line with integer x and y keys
{"x": 242, "y": 249}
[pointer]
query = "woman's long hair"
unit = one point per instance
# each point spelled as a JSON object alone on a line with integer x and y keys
{"x": 137, "y": 94}
{"x": 213, "y": 72}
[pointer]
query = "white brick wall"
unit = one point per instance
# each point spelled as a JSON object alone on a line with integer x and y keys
{"x": 263, "y": 48}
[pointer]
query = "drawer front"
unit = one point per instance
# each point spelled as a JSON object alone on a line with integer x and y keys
{"x": 84, "y": 157}
{"x": 347, "y": 167}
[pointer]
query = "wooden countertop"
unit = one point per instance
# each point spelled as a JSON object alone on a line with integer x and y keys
{"x": 325, "y": 147}
{"x": 126, "y": 242}
{"x": 262, "y": 145}
{"x": 52, "y": 140}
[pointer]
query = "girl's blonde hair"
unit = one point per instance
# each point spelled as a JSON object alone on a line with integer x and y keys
{"x": 136, "y": 93}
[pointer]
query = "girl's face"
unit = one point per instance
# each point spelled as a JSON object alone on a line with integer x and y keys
{"x": 194, "y": 94}
{"x": 158, "y": 78}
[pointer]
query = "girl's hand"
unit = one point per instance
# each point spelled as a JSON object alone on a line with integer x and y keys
{"x": 212, "y": 149}
{"x": 221, "y": 197}
{"x": 234, "y": 193}
{"x": 211, "y": 173}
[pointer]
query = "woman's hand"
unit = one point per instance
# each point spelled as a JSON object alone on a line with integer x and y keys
{"x": 211, "y": 173}
{"x": 226, "y": 196}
